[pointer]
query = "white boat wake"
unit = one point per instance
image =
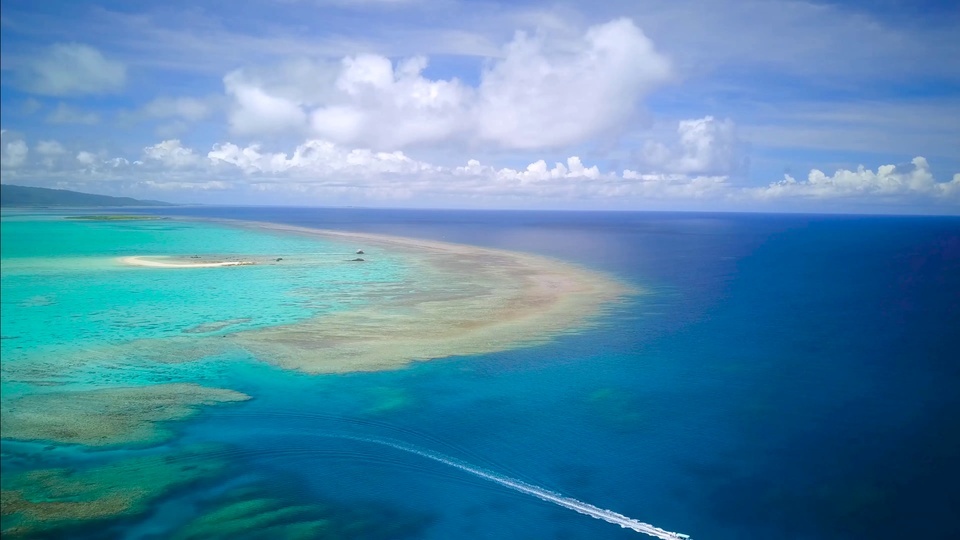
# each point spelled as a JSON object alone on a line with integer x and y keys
{"x": 550, "y": 496}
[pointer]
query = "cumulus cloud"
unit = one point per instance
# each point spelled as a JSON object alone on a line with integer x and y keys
{"x": 887, "y": 180}
{"x": 383, "y": 105}
{"x": 534, "y": 172}
{"x": 545, "y": 91}
{"x": 700, "y": 146}
{"x": 64, "y": 114}
{"x": 255, "y": 111}
{"x": 171, "y": 153}
{"x": 322, "y": 170}
{"x": 318, "y": 158}
{"x": 72, "y": 69}
{"x": 210, "y": 185}
{"x": 87, "y": 159}
{"x": 13, "y": 150}
{"x": 319, "y": 166}
{"x": 540, "y": 95}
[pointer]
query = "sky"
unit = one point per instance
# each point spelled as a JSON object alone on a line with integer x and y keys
{"x": 726, "y": 105}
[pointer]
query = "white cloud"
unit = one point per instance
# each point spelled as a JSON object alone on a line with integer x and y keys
{"x": 887, "y": 180}
{"x": 210, "y": 185}
{"x": 86, "y": 159}
{"x": 545, "y": 94}
{"x": 702, "y": 146}
{"x": 71, "y": 69}
{"x": 318, "y": 167}
{"x": 536, "y": 172}
{"x": 316, "y": 157}
{"x": 13, "y": 150}
{"x": 319, "y": 170}
{"x": 545, "y": 91}
{"x": 388, "y": 107}
{"x": 64, "y": 114}
{"x": 172, "y": 154}
{"x": 257, "y": 112}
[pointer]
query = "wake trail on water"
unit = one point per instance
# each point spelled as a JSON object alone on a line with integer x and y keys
{"x": 529, "y": 489}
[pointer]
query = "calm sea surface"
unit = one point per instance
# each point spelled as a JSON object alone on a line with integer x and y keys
{"x": 781, "y": 376}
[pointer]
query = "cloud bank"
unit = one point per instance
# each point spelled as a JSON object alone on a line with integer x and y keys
{"x": 543, "y": 92}
{"x": 886, "y": 181}
{"x": 320, "y": 171}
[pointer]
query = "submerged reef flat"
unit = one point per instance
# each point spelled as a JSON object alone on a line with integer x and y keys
{"x": 460, "y": 300}
{"x": 251, "y": 511}
{"x": 107, "y": 416}
{"x": 215, "y": 326}
{"x": 56, "y": 503}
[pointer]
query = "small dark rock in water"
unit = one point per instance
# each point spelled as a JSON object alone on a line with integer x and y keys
{"x": 358, "y": 259}
{"x": 359, "y": 252}
{"x": 279, "y": 259}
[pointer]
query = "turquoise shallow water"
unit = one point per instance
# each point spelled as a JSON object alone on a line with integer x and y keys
{"x": 62, "y": 284}
{"x": 784, "y": 377}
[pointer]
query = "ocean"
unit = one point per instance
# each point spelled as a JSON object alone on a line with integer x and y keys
{"x": 768, "y": 376}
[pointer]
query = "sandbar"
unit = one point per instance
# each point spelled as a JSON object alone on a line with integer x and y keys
{"x": 177, "y": 262}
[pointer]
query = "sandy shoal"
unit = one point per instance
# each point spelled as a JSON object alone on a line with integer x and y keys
{"x": 169, "y": 262}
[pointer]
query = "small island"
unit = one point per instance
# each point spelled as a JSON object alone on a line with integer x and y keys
{"x": 35, "y": 197}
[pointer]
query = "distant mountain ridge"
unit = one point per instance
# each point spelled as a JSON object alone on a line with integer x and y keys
{"x": 11, "y": 195}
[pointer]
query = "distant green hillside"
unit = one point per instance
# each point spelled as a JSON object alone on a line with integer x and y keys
{"x": 33, "y": 196}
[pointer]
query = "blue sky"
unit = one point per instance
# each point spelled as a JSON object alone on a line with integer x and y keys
{"x": 663, "y": 104}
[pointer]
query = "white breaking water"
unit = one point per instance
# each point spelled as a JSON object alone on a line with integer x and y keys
{"x": 550, "y": 496}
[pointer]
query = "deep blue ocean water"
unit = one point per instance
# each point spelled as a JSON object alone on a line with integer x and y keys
{"x": 782, "y": 376}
